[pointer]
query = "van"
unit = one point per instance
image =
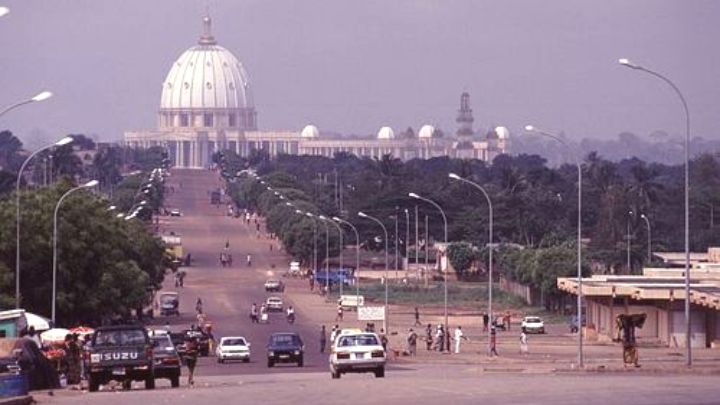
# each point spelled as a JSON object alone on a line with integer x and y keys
{"x": 295, "y": 268}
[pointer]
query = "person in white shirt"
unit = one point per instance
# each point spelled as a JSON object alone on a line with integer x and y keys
{"x": 523, "y": 343}
{"x": 458, "y": 336}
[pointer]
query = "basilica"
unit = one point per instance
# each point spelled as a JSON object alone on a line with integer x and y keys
{"x": 207, "y": 106}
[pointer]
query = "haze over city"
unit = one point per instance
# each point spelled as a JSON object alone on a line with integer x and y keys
{"x": 352, "y": 67}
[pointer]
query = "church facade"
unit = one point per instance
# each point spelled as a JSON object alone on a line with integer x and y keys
{"x": 207, "y": 106}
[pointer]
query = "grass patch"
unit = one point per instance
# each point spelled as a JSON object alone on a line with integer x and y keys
{"x": 459, "y": 294}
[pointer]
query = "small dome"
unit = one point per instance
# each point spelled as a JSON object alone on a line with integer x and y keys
{"x": 426, "y": 132}
{"x": 502, "y": 133}
{"x": 310, "y": 131}
{"x": 385, "y": 133}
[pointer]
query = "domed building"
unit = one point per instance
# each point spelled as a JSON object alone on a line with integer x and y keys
{"x": 206, "y": 106}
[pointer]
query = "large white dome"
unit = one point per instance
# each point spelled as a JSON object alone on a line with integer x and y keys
{"x": 426, "y": 132}
{"x": 310, "y": 131}
{"x": 206, "y": 76}
{"x": 386, "y": 133}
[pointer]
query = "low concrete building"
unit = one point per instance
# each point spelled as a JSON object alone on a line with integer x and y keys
{"x": 660, "y": 293}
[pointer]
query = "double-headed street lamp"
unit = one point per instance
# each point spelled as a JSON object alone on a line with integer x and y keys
{"x": 629, "y": 64}
{"x": 531, "y": 128}
{"x": 340, "y": 231}
{"x": 490, "y": 247}
{"x": 64, "y": 141}
{"x": 379, "y": 222}
{"x": 357, "y": 257}
{"x": 327, "y": 249}
{"x": 89, "y": 184}
{"x": 445, "y": 227}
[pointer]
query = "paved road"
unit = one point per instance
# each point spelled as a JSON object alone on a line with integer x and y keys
{"x": 227, "y": 293}
{"x": 429, "y": 384}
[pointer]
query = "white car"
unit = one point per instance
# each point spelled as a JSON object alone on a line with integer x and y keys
{"x": 175, "y": 212}
{"x": 532, "y": 324}
{"x": 233, "y": 348}
{"x": 274, "y": 304}
{"x": 355, "y": 351}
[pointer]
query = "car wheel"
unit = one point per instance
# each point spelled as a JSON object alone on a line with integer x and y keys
{"x": 93, "y": 383}
{"x": 246, "y": 360}
{"x": 335, "y": 374}
{"x": 150, "y": 383}
{"x": 127, "y": 385}
{"x": 270, "y": 363}
{"x": 219, "y": 360}
{"x": 380, "y": 372}
{"x": 175, "y": 381}
{"x": 300, "y": 362}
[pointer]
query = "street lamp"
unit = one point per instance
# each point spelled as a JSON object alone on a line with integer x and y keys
{"x": 530, "y": 128}
{"x": 357, "y": 257}
{"x": 340, "y": 231}
{"x": 629, "y": 264}
{"x": 42, "y": 96}
{"x": 407, "y": 235}
{"x": 327, "y": 250}
{"x": 379, "y": 222}
{"x": 649, "y": 242}
{"x": 89, "y": 184}
{"x": 490, "y": 247}
{"x": 436, "y": 205}
{"x": 629, "y": 64}
{"x": 64, "y": 141}
{"x": 4, "y": 11}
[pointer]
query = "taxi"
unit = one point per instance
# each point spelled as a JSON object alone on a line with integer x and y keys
{"x": 356, "y": 351}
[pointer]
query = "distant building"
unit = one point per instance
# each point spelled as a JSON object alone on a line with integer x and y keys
{"x": 206, "y": 106}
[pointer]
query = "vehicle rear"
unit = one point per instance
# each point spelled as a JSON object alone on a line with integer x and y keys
{"x": 233, "y": 348}
{"x": 120, "y": 353}
{"x": 169, "y": 304}
{"x": 167, "y": 362}
{"x": 285, "y": 348}
{"x": 357, "y": 353}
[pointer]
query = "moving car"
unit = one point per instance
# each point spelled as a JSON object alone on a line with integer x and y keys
{"x": 175, "y": 212}
{"x": 121, "y": 353}
{"x": 274, "y": 285}
{"x": 233, "y": 348}
{"x": 532, "y": 324}
{"x": 169, "y": 303}
{"x": 274, "y": 304}
{"x": 357, "y": 352}
{"x": 285, "y": 348}
{"x": 167, "y": 360}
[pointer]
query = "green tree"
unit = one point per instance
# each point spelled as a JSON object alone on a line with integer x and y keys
{"x": 461, "y": 256}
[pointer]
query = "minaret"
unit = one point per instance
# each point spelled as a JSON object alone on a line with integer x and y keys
{"x": 465, "y": 119}
{"x": 206, "y": 38}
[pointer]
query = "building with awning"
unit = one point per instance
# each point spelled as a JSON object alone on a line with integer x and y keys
{"x": 659, "y": 293}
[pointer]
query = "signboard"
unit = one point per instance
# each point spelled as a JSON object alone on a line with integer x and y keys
{"x": 371, "y": 313}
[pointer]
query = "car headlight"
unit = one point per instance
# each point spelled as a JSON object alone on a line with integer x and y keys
{"x": 270, "y": 353}
{"x": 297, "y": 352}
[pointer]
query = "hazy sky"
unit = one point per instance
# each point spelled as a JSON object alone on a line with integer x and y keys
{"x": 353, "y": 66}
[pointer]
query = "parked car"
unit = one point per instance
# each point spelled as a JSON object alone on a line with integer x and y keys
{"x": 285, "y": 348}
{"x": 274, "y": 304}
{"x": 532, "y": 324}
{"x": 274, "y": 286}
{"x": 121, "y": 353}
{"x": 167, "y": 360}
{"x": 175, "y": 212}
{"x": 233, "y": 348}
{"x": 357, "y": 352}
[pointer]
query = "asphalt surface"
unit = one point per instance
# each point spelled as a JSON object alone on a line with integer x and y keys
{"x": 227, "y": 293}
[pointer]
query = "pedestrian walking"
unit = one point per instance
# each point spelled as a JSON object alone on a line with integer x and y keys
{"x": 448, "y": 339}
{"x": 339, "y": 316}
{"x": 493, "y": 342}
{"x": 412, "y": 342}
{"x": 199, "y": 306}
{"x": 428, "y": 337}
{"x": 383, "y": 339}
{"x": 440, "y": 338}
{"x": 417, "y": 317}
{"x": 254, "y": 313}
{"x": 323, "y": 336}
{"x": 459, "y": 335}
{"x": 506, "y": 320}
{"x": 333, "y": 334}
{"x": 72, "y": 356}
{"x": 486, "y": 319}
{"x": 191, "y": 355}
{"x": 523, "y": 343}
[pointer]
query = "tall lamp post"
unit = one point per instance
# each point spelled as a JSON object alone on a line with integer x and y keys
{"x": 631, "y": 65}
{"x": 490, "y": 247}
{"x": 357, "y": 257}
{"x": 91, "y": 183}
{"x": 327, "y": 250}
{"x": 379, "y": 222}
{"x": 629, "y": 238}
{"x": 342, "y": 245}
{"x": 64, "y": 141}
{"x": 407, "y": 236}
{"x": 436, "y": 205}
{"x": 42, "y": 96}
{"x": 530, "y": 128}
{"x": 649, "y": 242}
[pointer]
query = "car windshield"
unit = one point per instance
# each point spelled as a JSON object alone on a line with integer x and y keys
{"x": 233, "y": 342}
{"x": 163, "y": 341}
{"x": 357, "y": 340}
{"x": 119, "y": 337}
{"x": 168, "y": 298}
{"x": 285, "y": 340}
{"x": 533, "y": 320}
